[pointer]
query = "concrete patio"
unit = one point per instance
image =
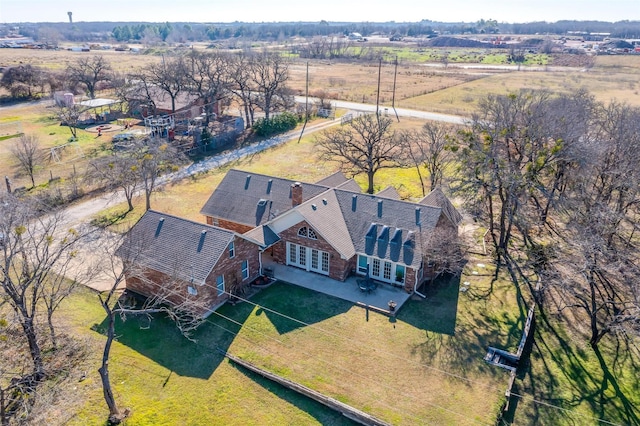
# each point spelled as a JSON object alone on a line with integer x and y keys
{"x": 377, "y": 299}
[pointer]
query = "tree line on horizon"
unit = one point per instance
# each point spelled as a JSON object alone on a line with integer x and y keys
{"x": 189, "y": 31}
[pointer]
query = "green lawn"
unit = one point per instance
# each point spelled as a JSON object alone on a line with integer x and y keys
{"x": 582, "y": 385}
{"x": 423, "y": 367}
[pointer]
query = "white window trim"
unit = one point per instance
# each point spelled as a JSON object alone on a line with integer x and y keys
{"x": 380, "y": 277}
{"x": 243, "y": 270}
{"x": 307, "y": 232}
{"x": 220, "y": 292}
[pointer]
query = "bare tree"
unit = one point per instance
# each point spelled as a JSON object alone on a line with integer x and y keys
{"x": 429, "y": 148}
{"x": 119, "y": 171}
{"x": 34, "y": 249}
{"x": 365, "y": 145}
{"x": 169, "y": 76}
{"x": 316, "y": 48}
{"x": 502, "y": 154}
{"x": 597, "y": 263}
{"x": 137, "y": 90}
{"x": 435, "y": 147}
{"x": 208, "y": 76}
{"x": 129, "y": 90}
{"x": 29, "y": 155}
{"x": 269, "y": 73}
{"x": 90, "y": 72}
{"x": 241, "y": 85}
{"x": 69, "y": 115}
{"x": 124, "y": 259}
{"x": 136, "y": 165}
{"x": 154, "y": 157}
{"x": 323, "y": 99}
{"x": 339, "y": 47}
{"x": 24, "y": 81}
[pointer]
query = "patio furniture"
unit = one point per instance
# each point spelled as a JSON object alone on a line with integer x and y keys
{"x": 366, "y": 285}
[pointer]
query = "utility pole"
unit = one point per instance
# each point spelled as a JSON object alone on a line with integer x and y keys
{"x": 306, "y": 105}
{"x": 393, "y": 98}
{"x": 378, "y": 95}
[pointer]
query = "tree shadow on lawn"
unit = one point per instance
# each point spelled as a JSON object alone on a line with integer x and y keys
{"x": 460, "y": 344}
{"x": 323, "y": 414}
{"x": 557, "y": 367}
{"x": 299, "y": 305}
{"x": 438, "y": 312}
{"x": 158, "y": 338}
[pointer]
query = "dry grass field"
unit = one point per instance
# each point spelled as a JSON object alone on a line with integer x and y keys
{"x": 452, "y": 90}
{"x": 175, "y": 379}
{"x": 358, "y": 82}
{"x": 58, "y": 59}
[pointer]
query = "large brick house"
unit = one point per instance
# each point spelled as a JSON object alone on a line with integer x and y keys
{"x": 329, "y": 228}
{"x": 332, "y": 228}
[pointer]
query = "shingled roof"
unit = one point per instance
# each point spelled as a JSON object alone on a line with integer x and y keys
{"x": 176, "y": 247}
{"x": 362, "y": 223}
{"x": 437, "y": 198}
{"x": 389, "y": 192}
{"x": 334, "y": 180}
{"x": 253, "y": 199}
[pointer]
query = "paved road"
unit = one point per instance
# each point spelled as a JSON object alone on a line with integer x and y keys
{"x": 402, "y": 112}
{"x": 81, "y": 212}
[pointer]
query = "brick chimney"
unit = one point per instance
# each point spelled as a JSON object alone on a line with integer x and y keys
{"x": 296, "y": 194}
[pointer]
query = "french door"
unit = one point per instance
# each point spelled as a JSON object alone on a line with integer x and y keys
{"x": 307, "y": 258}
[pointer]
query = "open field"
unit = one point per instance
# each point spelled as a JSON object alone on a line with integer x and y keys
{"x": 603, "y": 82}
{"x": 451, "y": 90}
{"x": 358, "y": 82}
{"x": 38, "y": 119}
{"x": 57, "y": 60}
{"x": 386, "y": 368}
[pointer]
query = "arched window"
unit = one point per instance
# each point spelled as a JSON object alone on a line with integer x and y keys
{"x": 307, "y": 233}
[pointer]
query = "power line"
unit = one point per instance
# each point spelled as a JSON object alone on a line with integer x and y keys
{"x": 470, "y": 381}
{"x": 355, "y": 374}
{"x": 450, "y": 374}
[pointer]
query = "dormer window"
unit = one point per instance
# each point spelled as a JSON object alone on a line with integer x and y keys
{"x": 307, "y": 232}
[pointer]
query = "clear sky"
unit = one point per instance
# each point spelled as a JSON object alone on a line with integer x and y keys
{"x": 315, "y": 10}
